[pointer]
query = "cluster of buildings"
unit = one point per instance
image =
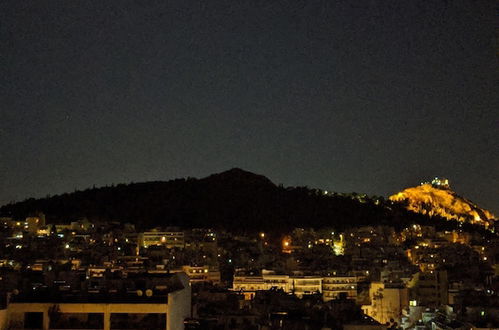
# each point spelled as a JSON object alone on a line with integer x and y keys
{"x": 104, "y": 276}
{"x": 109, "y": 275}
{"x": 415, "y": 278}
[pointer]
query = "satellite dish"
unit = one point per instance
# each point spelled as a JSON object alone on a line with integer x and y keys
{"x": 139, "y": 293}
{"x": 149, "y": 292}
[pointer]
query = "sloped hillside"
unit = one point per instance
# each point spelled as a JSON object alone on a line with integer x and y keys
{"x": 235, "y": 200}
{"x": 439, "y": 200}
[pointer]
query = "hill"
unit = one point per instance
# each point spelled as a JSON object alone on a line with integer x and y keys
{"x": 234, "y": 200}
{"x": 437, "y": 199}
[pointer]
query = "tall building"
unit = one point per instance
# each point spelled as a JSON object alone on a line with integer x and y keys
{"x": 334, "y": 286}
{"x": 429, "y": 289}
{"x": 387, "y": 302}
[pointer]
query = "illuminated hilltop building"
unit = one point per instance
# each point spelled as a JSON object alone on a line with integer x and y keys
{"x": 437, "y": 182}
{"x": 440, "y": 183}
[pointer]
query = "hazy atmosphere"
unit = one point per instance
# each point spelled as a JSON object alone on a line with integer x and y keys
{"x": 370, "y": 97}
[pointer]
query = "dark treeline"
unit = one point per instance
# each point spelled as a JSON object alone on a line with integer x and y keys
{"x": 235, "y": 200}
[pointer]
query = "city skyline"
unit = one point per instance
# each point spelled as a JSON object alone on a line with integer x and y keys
{"x": 249, "y": 165}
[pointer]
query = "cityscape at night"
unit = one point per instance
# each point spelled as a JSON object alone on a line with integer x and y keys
{"x": 249, "y": 165}
{"x": 270, "y": 257}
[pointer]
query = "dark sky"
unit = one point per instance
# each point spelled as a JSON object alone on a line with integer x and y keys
{"x": 365, "y": 96}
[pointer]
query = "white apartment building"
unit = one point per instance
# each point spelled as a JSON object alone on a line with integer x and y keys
{"x": 298, "y": 285}
{"x": 170, "y": 239}
{"x": 334, "y": 286}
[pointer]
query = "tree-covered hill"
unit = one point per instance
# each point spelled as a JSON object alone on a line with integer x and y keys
{"x": 235, "y": 200}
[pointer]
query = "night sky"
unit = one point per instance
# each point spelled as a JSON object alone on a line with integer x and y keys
{"x": 364, "y": 96}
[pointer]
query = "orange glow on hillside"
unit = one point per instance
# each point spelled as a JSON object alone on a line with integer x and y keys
{"x": 429, "y": 200}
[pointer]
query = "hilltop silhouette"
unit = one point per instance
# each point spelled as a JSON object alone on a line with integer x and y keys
{"x": 235, "y": 200}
